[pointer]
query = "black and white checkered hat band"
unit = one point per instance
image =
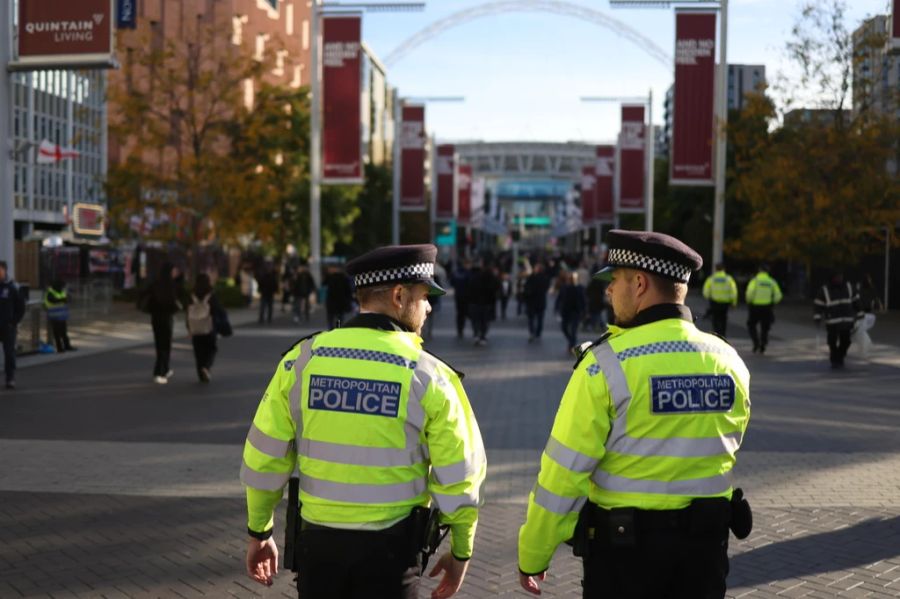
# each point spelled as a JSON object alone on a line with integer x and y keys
{"x": 666, "y": 268}
{"x": 410, "y": 272}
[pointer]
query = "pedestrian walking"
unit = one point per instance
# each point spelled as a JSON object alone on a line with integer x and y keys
{"x": 287, "y": 286}
{"x": 484, "y": 289}
{"x": 268, "y": 287}
{"x": 460, "y": 281}
{"x": 837, "y": 304}
{"x": 206, "y": 318}
{"x": 12, "y": 311}
{"x": 245, "y": 282}
{"x": 570, "y": 306}
{"x": 339, "y": 296}
{"x": 56, "y": 302}
{"x": 303, "y": 289}
{"x": 596, "y": 305}
{"x": 761, "y": 296}
{"x": 506, "y": 291}
{"x": 536, "y": 287}
{"x": 384, "y": 439}
{"x": 520, "y": 288}
{"x": 722, "y": 293}
{"x": 162, "y": 299}
{"x": 639, "y": 458}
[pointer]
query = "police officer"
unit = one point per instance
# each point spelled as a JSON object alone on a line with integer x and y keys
{"x": 721, "y": 291}
{"x": 378, "y": 428}
{"x": 762, "y": 294}
{"x": 837, "y": 303}
{"x": 643, "y": 442}
{"x": 56, "y": 302}
{"x": 12, "y": 310}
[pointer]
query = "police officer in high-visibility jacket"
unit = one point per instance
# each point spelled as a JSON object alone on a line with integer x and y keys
{"x": 644, "y": 441}
{"x": 762, "y": 294}
{"x": 722, "y": 293}
{"x": 378, "y": 428}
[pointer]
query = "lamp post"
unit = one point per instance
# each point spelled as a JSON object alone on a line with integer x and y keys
{"x": 7, "y": 225}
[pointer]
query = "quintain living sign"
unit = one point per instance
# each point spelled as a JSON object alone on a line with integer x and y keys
{"x": 59, "y": 33}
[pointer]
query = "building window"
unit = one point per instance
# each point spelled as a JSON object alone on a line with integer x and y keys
{"x": 289, "y": 19}
{"x": 273, "y": 3}
{"x": 261, "y": 39}
{"x": 237, "y": 29}
{"x": 305, "y": 34}
{"x": 297, "y": 80}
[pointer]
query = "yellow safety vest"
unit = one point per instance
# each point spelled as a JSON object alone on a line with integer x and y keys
{"x": 55, "y": 303}
{"x": 763, "y": 290}
{"x": 377, "y": 427}
{"x": 651, "y": 418}
{"x": 721, "y": 288}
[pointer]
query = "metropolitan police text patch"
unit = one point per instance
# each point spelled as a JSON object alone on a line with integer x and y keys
{"x": 691, "y": 393}
{"x": 357, "y": 396}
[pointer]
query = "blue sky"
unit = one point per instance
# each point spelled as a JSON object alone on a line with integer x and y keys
{"x": 522, "y": 74}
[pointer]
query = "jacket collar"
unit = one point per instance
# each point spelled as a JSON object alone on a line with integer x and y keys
{"x": 373, "y": 320}
{"x": 662, "y": 312}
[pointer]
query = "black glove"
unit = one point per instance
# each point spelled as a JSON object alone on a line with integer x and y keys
{"x": 741, "y": 516}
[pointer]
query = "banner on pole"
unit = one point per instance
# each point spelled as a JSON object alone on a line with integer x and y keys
{"x": 444, "y": 168}
{"x": 342, "y": 159}
{"x": 464, "y": 193}
{"x": 64, "y": 34}
{"x": 604, "y": 201}
{"x": 894, "y": 42}
{"x": 632, "y": 160}
{"x": 588, "y": 194}
{"x": 412, "y": 158}
{"x": 695, "y": 88}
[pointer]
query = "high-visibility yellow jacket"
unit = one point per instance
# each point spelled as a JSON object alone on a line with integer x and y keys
{"x": 721, "y": 288}
{"x": 763, "y": 290}
{"x": 56, "y": 303}
{"x": 651, "y": 418}
{"x": 377, "y": 427}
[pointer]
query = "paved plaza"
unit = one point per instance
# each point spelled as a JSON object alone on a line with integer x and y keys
{"x": 111, "y": 486}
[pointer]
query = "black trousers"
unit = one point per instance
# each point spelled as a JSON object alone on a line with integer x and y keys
{"x": 481, "y": 319}
{"x": 569, "y": 327}
{"x": 462, "y": 313}
{"x": 265, "y": 308}
{"x": 838, "y": 344}
{"x": 204, "y": 351}
{"x": 162, "y": 340}
{"x": 8, "y": 340}
{"x": 763, "y": 316}
{"x": 352, "y": 564}
{"x": 535, "y": 321}
{"x": 719, "y": 313}
{"x": 60, "y": 329}
{"x": 664, "y": 564}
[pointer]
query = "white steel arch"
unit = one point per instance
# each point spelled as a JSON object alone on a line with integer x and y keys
{"x": 553, "y": 6}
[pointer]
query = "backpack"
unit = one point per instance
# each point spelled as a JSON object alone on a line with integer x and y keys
{"x": 199, "y": 316}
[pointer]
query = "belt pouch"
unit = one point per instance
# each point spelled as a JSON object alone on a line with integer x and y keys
{"x": 622, "y": 527}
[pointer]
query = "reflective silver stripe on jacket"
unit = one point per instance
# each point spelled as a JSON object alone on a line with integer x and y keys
{"x": 557, "y": 504}
{"x": 361, "y": 493}
{"x": 620, "y": 442}
{"x": 450, "y": 503}
{"x": 460, "y": 471}
{"x": 267, "y": 444}
{"x": 569, "y": 458}
{"x": 357, "y": 455}
{"x": 264, "y": 481}
{"x": 713, "y": 485}
{"x": 296, "y": 395}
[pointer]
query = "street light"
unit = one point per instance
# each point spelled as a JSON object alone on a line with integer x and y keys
{"x": 650, "y": 150}
{"x": 318, "y": 8}
{"x": 398, "y": 114}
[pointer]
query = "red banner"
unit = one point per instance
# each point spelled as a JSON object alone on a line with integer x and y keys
{"x": 62, "y": 32}
{"x": 588, "y": 194}
{"x": 632, "y": 160}
{"x": 464, "y": 193}
{"x": 605, "y": 203}
{"x": 342, "y": 160}
{"x": 895, "y": 23}
{"x": 444, "y": 166}
{"x": 695, "y": 90}
{"x": 412, "y": 158}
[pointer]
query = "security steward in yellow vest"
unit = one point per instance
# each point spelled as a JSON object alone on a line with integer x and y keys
{"x": 56, "y": 302}
{"x": 379, "y": 429}
{"x": 722, "y": 293}
{"x": 762, "y": 294}
{"x": 636, "y": 473}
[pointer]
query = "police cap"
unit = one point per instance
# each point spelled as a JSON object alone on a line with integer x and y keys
{"x": 395, "y": 264}
{"x": 651, "y": 252}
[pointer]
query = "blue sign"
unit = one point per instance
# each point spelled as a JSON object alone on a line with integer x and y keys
{"x": 449, "y": 238}
{"x": 126, "y": 14}
{"x": 355, "y": 396}
{"x": 533, "y": 190}
{"x": 692, "y": 393}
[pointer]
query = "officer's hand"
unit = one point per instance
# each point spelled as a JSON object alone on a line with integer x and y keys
{"x": 262, "y": 560}
{"x": 530, "y": 583}
{"x": 454, "y": 572}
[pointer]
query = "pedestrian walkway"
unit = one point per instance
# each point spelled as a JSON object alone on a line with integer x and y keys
{"x": 113, "y": 487}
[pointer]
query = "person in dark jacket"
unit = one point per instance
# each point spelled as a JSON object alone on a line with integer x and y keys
{"x": 483, "y": 290}
{"x": 596, "y": 304}
{"x": 536, "y": 287}
{"x": 163, "y": 298}
{"x": 268, "y": 287}
{"x": 570, "y": 305}
{"x": 304, "y": 285}
{"x": 203, "y": 313}
{"x": 460, "y": 281}
{"x": 339, "y": 299}
{"x": 837, "y": 304}
{"x": 12, "y": 310}
{"x": 56, "y": 301}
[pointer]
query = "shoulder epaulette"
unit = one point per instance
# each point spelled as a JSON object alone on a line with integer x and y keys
{"x": 722, "y": 338}
{"x": 585, "y": 348}
{"x": 298, "y": 342}
{"x": 459, "y": 373}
